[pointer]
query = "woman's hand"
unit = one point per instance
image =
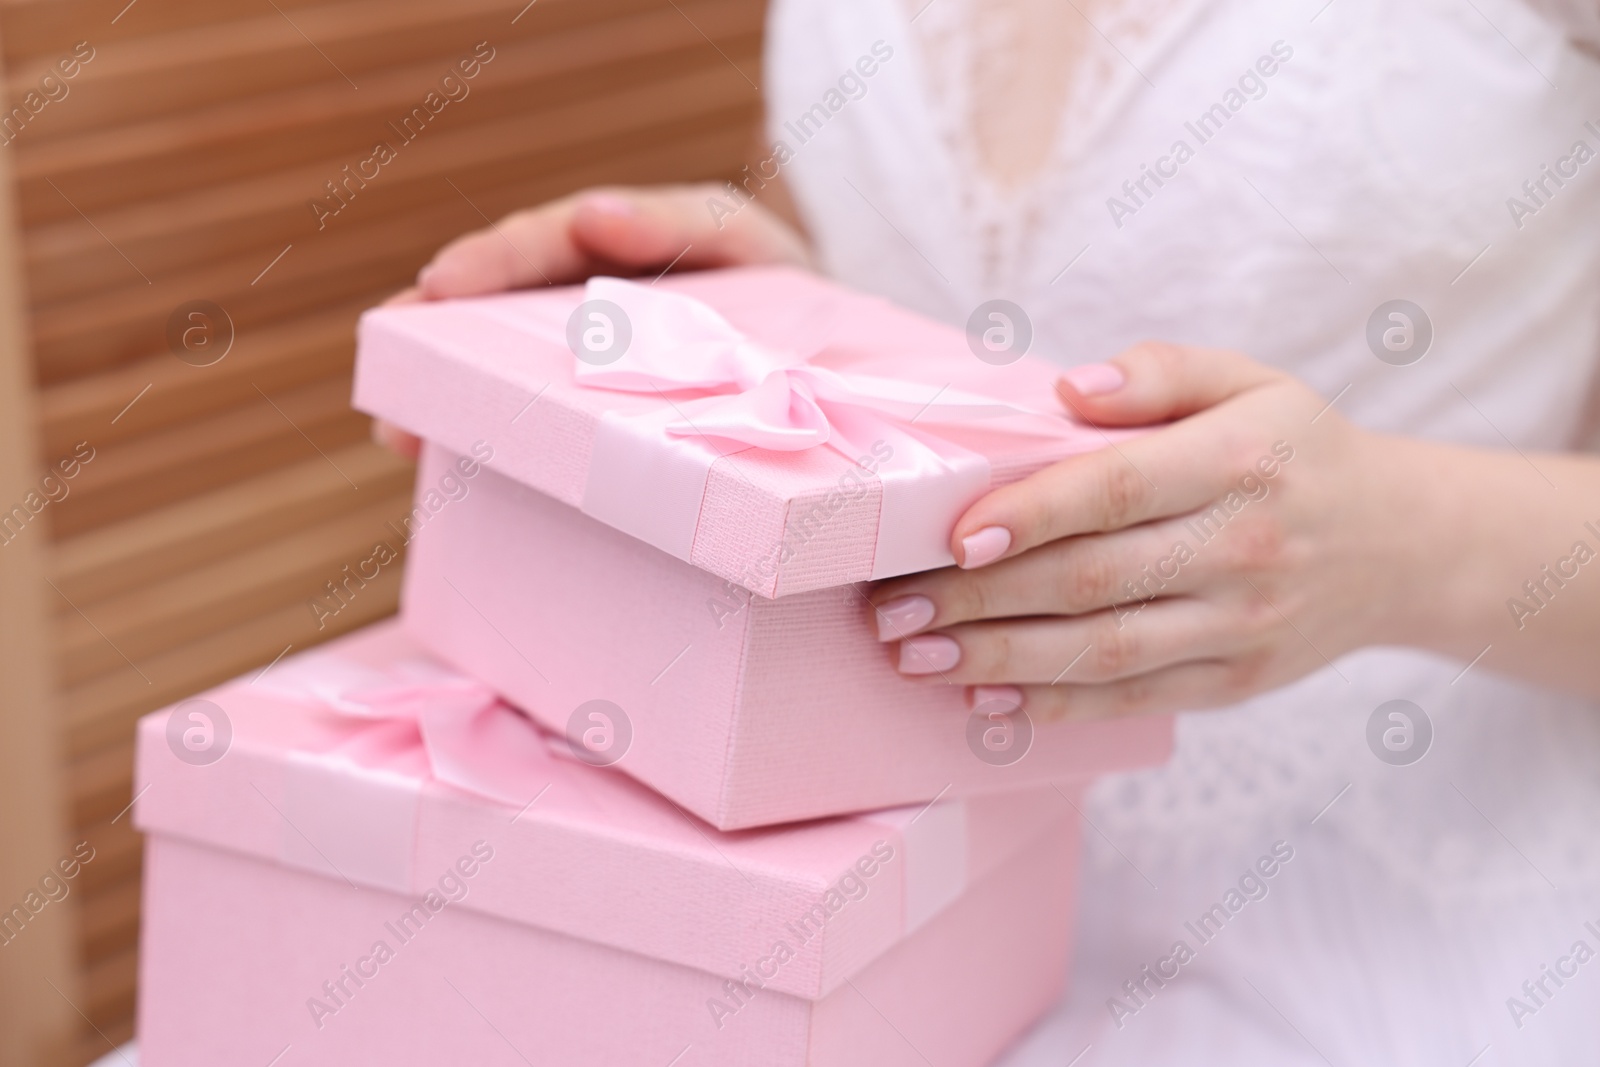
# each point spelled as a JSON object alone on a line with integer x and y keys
{"x": 616, "y": 230}
{"x": 1255, "y": 538}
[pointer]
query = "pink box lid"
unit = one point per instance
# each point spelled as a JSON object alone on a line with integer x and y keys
{"x": 878, "y": 498}
{"x": 591, "y": 853}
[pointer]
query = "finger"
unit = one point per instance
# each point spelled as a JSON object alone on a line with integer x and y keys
{"x": 1165, "y": 473}
{"x": 613, "y": 230}
{"x": 1069, "y": 576}
{"x": 647, "y": 230}
{"x": 1170, "y": 472}
{"x": 396, "y": 440}
{"x": 1105, "y": 646}
{"x": 408, "y": 295}
{"x": 527, "y": 248}
{"x": 1156, "y": 382}
{"x": 1190, "y": 686}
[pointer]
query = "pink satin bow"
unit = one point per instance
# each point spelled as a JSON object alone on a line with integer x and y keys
{"x": 648, "y": 473}
{"x": 762, "y": 397}
{"x": 468, "y": 737}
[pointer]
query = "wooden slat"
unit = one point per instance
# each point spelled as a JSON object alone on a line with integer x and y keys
{"x": 98, "y": 291}
{"x": 263, "y": 51}
{"x": 35, "y": 1020}
{"x": 104, "y": 332}
{"x": 37, "y": 28}
{"x": 108, "y": 919}
{"x": 151, "y": 547}
{"x": 128, "y": 477}
{"x": 540, "y": 91}
{"x": 126, "y": 320}
{"x": 109, "y": 985}
{"x": 100, "y": 784}
{"x": 110, "y": 976}
{"x": 102, "y": 712}
{"x": 283, "y": 571}
{"x": 116, "y": 855}
{"x": 304, "y": 349}
{"x": 299, "y": 124}
{"x": 298, "y": 351}
{"x": 109, "y": 960}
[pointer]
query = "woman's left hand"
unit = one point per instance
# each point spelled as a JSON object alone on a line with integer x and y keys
{"x": 1254, "y": 536}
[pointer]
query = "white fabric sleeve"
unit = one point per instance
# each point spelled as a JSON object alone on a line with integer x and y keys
{"x": 1580, "y": 18}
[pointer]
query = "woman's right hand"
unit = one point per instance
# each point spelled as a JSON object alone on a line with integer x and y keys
{"x": 620, "y": 230}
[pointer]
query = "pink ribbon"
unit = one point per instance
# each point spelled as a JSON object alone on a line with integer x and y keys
{"x": 762, "y": 397}
{"x": 464, "y": 734}
{"x": 648, "y": 474}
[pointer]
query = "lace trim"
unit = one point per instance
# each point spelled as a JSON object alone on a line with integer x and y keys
{"x": 1466, "y": 823}
{"x": 1017, "y": 89}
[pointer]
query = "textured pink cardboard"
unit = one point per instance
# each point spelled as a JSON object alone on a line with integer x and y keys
{"x": 235, "y": 947}
{"x": 747, "y": 711}
{"x": 597, "y": 924}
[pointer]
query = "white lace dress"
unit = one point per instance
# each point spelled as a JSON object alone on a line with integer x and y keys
{"x": 1004, "y": 149}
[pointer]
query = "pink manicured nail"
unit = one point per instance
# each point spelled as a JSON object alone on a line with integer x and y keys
{"x": 609, "y": 204}
{"x": 1008, "y": 695}
{"x": 1095, "y": 379}
{"x": 903, "y": 616}
{"x": 985, "y": 546}
{"x": 928, "y": 654}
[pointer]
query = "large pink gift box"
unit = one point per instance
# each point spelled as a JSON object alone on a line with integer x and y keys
{"x": 362, "y": 858}
{"x": 682, "y": 529}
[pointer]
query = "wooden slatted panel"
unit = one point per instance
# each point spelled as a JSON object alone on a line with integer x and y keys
{"x": 37, "y": 978}
{"x": 181, "y": 166}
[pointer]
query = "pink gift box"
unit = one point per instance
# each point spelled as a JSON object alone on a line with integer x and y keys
{"x": 313, "y": 882}
{"x": 584, "y": 535}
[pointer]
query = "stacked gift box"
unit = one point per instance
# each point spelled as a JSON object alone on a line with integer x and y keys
{"x": 632, "y": 780}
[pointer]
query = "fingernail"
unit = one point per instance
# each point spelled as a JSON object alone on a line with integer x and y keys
{"x": 985, "y": 546}
{"x": 1095, "y": 379}
{"x": 903, "y": 616}
{"x": 928, "y": 654}
{"x": 1008, "y": 695}
{"x": 611, "y": 204}
{"x": 424, "y": 274}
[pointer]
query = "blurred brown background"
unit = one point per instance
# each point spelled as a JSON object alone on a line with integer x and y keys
{"x": 179, "y": 166}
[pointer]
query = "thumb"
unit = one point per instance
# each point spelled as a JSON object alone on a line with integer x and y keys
{"x": 1157, "y": 382}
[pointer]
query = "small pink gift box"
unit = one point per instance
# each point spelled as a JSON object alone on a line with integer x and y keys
{"x": 680, "y": 529}
{"x": 341, "y": 862}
